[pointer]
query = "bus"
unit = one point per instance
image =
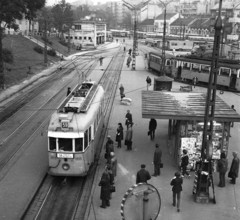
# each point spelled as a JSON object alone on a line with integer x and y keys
{"x": 120, "y": 33}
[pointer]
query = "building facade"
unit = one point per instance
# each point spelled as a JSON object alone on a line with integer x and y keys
{"x": 87, "y": 33}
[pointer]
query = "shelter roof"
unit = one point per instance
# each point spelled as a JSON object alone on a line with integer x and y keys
{"x": 183, "y": 106}
{"x": 168, "y": 16}
{"x": 148, "y": 22}
{"x": 164, "y": 79}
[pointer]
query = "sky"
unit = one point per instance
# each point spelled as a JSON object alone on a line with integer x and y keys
{"x": 52, "y": 2}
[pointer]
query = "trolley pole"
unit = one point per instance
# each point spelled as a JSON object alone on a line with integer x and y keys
{"x": 45, "y": 43}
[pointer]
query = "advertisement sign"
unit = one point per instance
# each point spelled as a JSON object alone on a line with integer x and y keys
{"x": 234, "y": 20}
{"x": 232, "y": 37}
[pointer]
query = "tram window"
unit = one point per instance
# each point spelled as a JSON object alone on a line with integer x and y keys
{"x": 224, "y": 71}
{"x": 168, "y": 63}
{"x": 95, "y": 126}
{"x": 52, "y": 143}
{"x": 90, "y": 133}
{"x": 78, "y": 144}
{"x": 65, "y": 144}
{"x": 86, "y": 139}
{"x": 205, "y": 69}
{"x": 186, "y": 65}
{"x": 196, "y": 66}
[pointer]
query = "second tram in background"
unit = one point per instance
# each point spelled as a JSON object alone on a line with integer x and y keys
{"x": 188, "y": 67}
{"x": 74, "y": 131}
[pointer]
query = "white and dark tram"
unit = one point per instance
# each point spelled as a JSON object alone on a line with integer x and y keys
{"x": 74, "y": 131}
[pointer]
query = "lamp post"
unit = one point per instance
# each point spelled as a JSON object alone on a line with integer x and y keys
{"x": 165, "y": 4}
{"x": 134, "y": 9}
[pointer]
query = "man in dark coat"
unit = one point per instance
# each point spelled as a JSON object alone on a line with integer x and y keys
{"x": 128, "y": 118}
{"x": 68, "y": 91}
{"x": 176, "y": 182}
{"x": 184, "y": 163}
{"x": 157, "y": 159}
{"x": 222, "y": 169}
{"x": 143, "y": 175}
{"x": 105, "y": 190}
{"x": 233, "y": 172}
{"x": 152, "y": 128}
{"x": 122, "y": 95}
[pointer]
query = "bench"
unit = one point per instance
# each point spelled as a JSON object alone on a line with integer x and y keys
{"x": 186, "y": 88}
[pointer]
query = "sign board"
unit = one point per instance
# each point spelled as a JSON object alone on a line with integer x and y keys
{"x": 234, "y": 20}
{"x": 232, "y": 37}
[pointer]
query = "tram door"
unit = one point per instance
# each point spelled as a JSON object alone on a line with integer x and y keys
{"x": 233, "y": 81}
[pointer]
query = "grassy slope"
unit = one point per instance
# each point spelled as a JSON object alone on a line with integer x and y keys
{"x": 24, "y": 56}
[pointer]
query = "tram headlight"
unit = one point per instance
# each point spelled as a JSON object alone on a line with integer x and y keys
{"x": 65, "y": 166}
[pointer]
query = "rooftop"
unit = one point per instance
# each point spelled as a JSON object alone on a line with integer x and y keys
{"x": 182, "y": 22}
{"x": 147, "y": 22}
{"x": 168, "y": 16}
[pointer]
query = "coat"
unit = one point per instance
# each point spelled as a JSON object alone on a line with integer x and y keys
{"x": 128, "y": 118}
{"x": 129, "y": 134}
{"x": 157, "y": 158}
{"x": 152, "y": 124}
{"x": 234, "y": 167}
{"x": 121, "y": 88}
{"x": 184, "y": 160}
{"x": 114, "y": 166}
{"x": 119, "y": 135}
{"x": 222, "y": 165}
{"x": 176, "y": 182}
{"x": 142, "y": 176}
{"x": 105, "y": 187}
{"x": 109, "y": 147}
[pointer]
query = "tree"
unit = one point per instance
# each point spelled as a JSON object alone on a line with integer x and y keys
{"x": 62, "y": 15}
{"x": 10, "y": 11}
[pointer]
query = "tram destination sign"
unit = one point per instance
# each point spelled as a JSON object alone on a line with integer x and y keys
{"x": 232, "y": 37}
{"x": 60, "y": 155}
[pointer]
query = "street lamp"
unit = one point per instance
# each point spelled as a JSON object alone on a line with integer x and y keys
{"x": 165, "y": 4}
{"x": 134, "y": 9}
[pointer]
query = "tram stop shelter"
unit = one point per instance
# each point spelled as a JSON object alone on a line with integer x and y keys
{"x": 163, "y": 83}
{"x": 185, "y": 112}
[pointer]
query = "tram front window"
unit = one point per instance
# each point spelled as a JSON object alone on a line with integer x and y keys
{"x": 65, "y": 144}
{"x": 78, "y": 144}
{"x": 52, "y": 144}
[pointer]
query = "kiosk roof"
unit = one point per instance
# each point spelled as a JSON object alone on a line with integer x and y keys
{"x": 183, "y": 106}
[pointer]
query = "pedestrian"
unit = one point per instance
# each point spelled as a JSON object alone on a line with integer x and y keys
{"x": 176, "y": 182}
{"x": 105, "y": 194}
{"x": 68, "y": 91}
{"x": 232, "y": 124}
{"x": 129, "y": 60}
{"x": 101, "y": 61}
{"x": 124, "y": 49}
{"x": 113, "y": 164}
{"x": 119, "y": 135}
{"x": 233, "y": 172}
{"x": 222, "y": 169}
{"x": 152, "y": 127}
{"x": 184, "y": 163}
{"x": 109, "y": 148}
{"x": 143, "y": 175}
{"x": 195, "y": 80}
{"x": 110, "y": 173}
{"x": 128, "y": 118}
{"x": 149, "y": 81}
{"x": 128, "y": 137}
{"x": 157, "y": 160}
{"x": 130, "y": 51}
{"x": 122, "y": 95}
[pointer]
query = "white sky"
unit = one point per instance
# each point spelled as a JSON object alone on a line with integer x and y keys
{"x": 52, "y": 2}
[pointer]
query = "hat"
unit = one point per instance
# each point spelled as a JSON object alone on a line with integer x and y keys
{"x": 177, "y": 174}
{"x": 108, "y": 136}
{"x": 112, "y": 154}
{"x": 143, "y": 166}
{"x": 157, "y": 145}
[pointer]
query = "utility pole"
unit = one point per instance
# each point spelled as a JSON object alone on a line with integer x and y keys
{"x": 45, "y": 42}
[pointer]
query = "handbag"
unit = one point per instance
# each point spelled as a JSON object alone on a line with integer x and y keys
{"x": 112, "y": 188}
{"x": 161, "y": 165}
{"x": 149, "y": 133}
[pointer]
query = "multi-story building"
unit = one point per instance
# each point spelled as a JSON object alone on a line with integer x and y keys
{"x": 119, "y": 11}
{"x": 194, "y": 7}
{"x": 149, "y": 11}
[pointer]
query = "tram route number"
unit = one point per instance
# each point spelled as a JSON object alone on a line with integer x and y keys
{"x": 64, "y": 124}
{"x": 59, "y": 155}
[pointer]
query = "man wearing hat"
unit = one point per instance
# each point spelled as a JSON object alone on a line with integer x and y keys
{"x": 109, "y": 148}
{"x": 176, "y": 182}
{"x": 157, "y": 159}
{"x": 143, "y": 175}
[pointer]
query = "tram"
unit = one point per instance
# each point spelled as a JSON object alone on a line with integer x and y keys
{"x": 74, "y": 130}
{"x": 192, "y": 66}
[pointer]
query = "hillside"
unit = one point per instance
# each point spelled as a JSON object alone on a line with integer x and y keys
{"x": 24, "y": 57}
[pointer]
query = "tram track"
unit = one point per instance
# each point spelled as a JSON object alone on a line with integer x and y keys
{"x": 76, "y": 210}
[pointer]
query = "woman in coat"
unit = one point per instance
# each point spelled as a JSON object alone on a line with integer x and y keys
{"x": 233, "y": 172}
{"x": 119, "y": 135}
{"x": 128, "y": 137}
{"x": 222, "y": 169}
{"x": 105, "y": 190}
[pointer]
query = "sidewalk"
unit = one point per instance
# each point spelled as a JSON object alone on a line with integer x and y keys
{"x": 228, "y": 198}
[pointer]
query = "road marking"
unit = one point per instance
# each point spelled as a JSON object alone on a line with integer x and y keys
{"x": 123, "y": 169}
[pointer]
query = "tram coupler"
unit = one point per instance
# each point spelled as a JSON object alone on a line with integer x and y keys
{"x": 64, "y": 182}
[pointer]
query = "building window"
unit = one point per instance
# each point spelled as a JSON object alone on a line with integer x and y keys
{"x": 85, "y": 38}
{"x": 76, "y": 38}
